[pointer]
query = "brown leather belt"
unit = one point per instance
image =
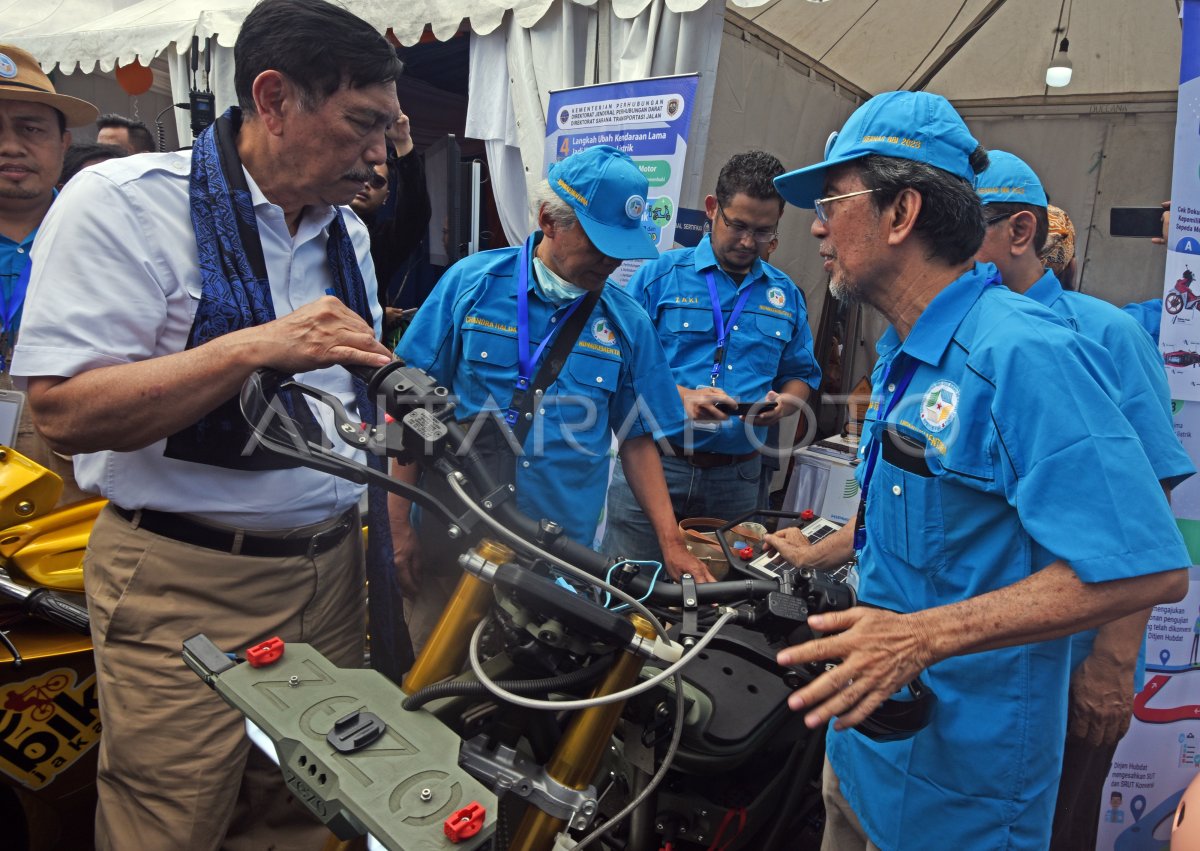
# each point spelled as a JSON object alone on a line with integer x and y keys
{"x": 187, "y": 531}
{"x": 708, "y": 460}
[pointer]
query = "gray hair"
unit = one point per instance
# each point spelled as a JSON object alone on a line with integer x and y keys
{"x": 559, "y": 211}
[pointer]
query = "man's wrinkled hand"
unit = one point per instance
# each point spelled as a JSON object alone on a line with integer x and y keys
{"x": 1101, "y": 704}
{"x": 319, "y": 334}
{"x": 791, "y": 544}
{"x": 881, "y": 652}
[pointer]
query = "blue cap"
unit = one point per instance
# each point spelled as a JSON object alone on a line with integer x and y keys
{"x": 1008, "y": 180}
{"x": 607, "y": 191}
{"x": 907, "y": 125}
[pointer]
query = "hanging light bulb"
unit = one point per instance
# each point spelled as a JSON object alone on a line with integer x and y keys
{"x": 1059, "y": 72}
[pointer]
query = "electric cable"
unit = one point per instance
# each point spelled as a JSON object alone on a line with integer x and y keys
{"x": 455, "y": 485}
{"x": 460, "y": 688}
{"x": 588, "y": 702}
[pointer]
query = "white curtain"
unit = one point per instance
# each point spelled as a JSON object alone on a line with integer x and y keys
{"x": 514, "y": 69}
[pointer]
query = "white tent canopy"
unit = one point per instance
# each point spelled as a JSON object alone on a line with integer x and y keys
{"x": 72, "y": 35}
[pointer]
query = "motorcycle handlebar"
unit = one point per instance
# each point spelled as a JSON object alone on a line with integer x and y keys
{"x": 58, "y": 610}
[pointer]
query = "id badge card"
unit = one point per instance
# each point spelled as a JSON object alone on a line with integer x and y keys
{"x": 12, "y": 402}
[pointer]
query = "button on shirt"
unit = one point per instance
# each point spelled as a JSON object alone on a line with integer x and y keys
{"x": 614, "y": 381}
{"x": 116, "y": 281}
{"x": 1023, "y": 450}
{"x": 769, "y": 345}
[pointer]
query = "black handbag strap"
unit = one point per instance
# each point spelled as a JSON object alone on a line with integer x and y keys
{"x": 556, "y": 358}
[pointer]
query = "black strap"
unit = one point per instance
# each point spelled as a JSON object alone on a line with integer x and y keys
{"x": 551, "y": 366}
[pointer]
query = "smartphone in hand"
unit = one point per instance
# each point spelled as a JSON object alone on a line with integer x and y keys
{"x": 744, "y": 408}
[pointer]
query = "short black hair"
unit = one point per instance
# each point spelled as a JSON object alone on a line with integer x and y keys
{"x": 83, "y": 154}
{"x": 319, "y": 46}
{"x": 752, "y": 173}
{"x": 140, "y": 137}
{"x": 951, "y": 217}
{"x": 1041, "y": 232}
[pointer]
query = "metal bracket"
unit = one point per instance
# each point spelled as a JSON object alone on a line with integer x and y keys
{"x": 505, "y": 770}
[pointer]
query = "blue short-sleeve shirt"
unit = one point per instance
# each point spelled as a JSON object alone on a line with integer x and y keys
{"x": 14, "y": 269}
{"x": 1145, "y": 398}
{"x": 1007, "y": 446}
{"x": 768, "y": 345}
{"x": 615, "y": 381}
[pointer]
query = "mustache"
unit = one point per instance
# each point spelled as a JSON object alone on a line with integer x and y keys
{"x": 361, "y": 175}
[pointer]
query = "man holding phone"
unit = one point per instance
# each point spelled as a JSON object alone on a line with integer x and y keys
{"x": 735, "y": 330}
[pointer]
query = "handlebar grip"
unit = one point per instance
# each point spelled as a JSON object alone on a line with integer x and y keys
{"x": 58, "y": 610}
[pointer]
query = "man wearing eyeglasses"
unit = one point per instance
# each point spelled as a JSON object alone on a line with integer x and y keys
{"x": 1103, "y": 661}
{"x": 1006, "y": 504}
{"x": 735, "y": 329}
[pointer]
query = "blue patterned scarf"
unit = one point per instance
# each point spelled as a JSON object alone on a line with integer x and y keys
{"x": 236, "y": 294}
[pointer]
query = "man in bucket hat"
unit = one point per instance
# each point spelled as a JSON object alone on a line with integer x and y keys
{"x": 487, "y": 331}
{"x": 33, "y": 139}
{"x": 1019, "y": 220}
{"x": 988, "y": 450}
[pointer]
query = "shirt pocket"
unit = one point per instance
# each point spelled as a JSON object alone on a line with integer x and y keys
{"x": 491, "y": 361}
{"x": 686, "y": 319}
{"x": 766, "y": 350}
{"x": 579, "y": 405}
{"x": 910, "y": 508}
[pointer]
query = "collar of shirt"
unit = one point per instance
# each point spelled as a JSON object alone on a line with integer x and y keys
{"x": 705, "y": 259}
{"x": 1046, "y": 290}
{"x": 936, "y": 325}
{"x": 313, "y": 220}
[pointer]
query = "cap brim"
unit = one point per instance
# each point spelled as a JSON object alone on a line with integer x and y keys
{"x": 805, "y": 185}
{"x": 77, "y": 112}
{"x": 619, "y": 243}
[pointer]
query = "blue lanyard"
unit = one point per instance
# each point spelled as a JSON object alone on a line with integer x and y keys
{"x": 10, "y": 306}
{"x": 860, "y": 531}
{"x": 719, "y": 323}
{"x": 525, "y": 361}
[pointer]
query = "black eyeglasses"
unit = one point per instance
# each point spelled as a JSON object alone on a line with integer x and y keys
{"x": 739, "y": 231}
{"x": 987, "y": 223}
{"x": 377, "y": 181}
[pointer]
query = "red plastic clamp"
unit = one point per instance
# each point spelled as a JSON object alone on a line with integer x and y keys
{"x": 465, "y": 823}
{"x": 267, "y": 653}
{"x": 746, "y": 553}
{"x": 808, "y": 515}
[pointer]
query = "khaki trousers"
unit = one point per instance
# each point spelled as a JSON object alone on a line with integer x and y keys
{"x": 177, "y": 771}
{"x": 843, "y": 831}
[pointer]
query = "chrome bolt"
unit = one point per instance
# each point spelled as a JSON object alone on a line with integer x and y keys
{"x": 293, "y": 681}
{"x": 426, "y": 794}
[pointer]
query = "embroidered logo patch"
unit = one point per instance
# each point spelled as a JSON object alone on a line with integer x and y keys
{"x": 776, "y": 296}
{"x": 634, "y": 206}
{"x": 8, "y": 68}
{"x": 603, "y": 334}
{"x": 939, "y": 405}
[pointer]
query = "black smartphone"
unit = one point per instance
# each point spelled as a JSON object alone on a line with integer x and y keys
{"x": 1135, "y": 221}
{"x": 744, "y": 408}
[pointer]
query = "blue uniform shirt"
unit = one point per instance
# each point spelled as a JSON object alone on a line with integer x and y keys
{"x": 769, "y": 344}
{"x": 14, "y": 260}
{"x": 614, "y": 381}
{"x": 1018, "y": 448}
{"x": 1148, "y": 314}
{"x": 1144, "y": 399}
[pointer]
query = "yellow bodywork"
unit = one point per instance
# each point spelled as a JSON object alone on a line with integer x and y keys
{"x": 39, "y": 545}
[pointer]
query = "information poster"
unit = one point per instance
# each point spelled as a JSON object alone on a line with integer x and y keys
{"x": 647, "y": 119}
{"x": 1179, "y": 334}
{"x": 1160, "y": 754}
